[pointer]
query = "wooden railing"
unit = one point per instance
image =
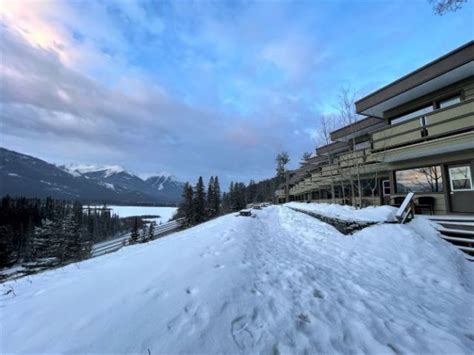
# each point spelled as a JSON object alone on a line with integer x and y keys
{"x": 439, "y": 123}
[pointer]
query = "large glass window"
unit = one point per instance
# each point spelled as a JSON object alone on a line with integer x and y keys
{"x": 460, "y": 177}
{"x": 428, "y": 179}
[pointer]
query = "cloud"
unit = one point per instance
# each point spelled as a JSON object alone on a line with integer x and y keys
{"x": 294, "y": 55}
{"x": 184, "y": 87}
{"x": 136, "y": 116}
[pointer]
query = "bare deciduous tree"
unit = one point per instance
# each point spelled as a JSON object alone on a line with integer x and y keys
{"x": 326, "y": 125}
{"x": 348, "y": 117}
{"x": 440, "y": 7}
{"x": 433, "y": 177}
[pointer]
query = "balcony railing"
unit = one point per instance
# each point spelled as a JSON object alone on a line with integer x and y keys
{"x": 280, "y": 193}
{"x": 440, "y": 123}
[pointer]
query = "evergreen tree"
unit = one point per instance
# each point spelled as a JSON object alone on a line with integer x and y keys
{"x": 232, "y": 196}
{"x": 306, "y": 156}
{"x": 251, "y": 191}
{"x": 47, "y": 240}
{"x": 186, "y": 208}
{"x": 226, "y": 207}
{"x": 74, "y": 233}
{"x": 144, "y": 234}
{"x": 240, "y": 201}
{"x": 151, "y": 231}
{"x": 7, "y": 246}
{"x": 134, "y": 235}
{"x": 282, "y": 160}
{"x": 217, "y": 197}
{"x": 199, "y": 202}
{"x": 210, "y": 204}
{"x": 31, "y": 229}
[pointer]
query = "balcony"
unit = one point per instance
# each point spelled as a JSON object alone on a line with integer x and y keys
{"x": 280, "y": 193}
{"x": 352, "y": 158}
{"x": 329, "y": 170}
{"x": 440, "y": 123}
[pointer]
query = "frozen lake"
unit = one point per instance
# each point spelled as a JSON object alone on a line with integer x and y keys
{"x": 165, "y": 213}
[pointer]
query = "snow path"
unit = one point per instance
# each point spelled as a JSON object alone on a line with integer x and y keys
{"x": 282, "y": 282}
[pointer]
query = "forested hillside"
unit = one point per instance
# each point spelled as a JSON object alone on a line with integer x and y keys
{"x": 35, "y": 229}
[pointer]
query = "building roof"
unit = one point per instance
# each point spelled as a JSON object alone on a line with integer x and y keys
{"x": 356, "y": 129}
{"x": 446, "y": 70}
{"x": 314, "y": 160}
{"x": 297, "y": 175}
{"x": 334, "y": 147}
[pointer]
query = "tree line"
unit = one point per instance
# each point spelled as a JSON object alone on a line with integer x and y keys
{"x": 198, "y": 206}
{"x": 32, "y": 229}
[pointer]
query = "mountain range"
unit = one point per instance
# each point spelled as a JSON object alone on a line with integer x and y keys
{"x": 24, "y": 175}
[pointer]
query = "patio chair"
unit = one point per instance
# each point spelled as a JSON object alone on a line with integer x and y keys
{"x": 397, "y": 201}
{"x": 425, "y": 202}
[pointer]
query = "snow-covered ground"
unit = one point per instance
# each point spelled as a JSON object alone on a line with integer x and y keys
{"x": 348, "y": 213}
{"x": 165, "y": 213}
{"x": 282, "y": 282}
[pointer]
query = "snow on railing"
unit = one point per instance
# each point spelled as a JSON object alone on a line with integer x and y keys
{"x": 407, "y": 209}
{"x": 117, "y": 243}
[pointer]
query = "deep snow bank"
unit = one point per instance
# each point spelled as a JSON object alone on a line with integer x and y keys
{"x": 348, "y": 213}
{"x": 282, "y": 282}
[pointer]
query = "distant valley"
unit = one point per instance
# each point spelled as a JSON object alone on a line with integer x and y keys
{"x": 24, "y": 175}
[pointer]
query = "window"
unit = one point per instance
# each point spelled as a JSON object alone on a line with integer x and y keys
{"x": 428, "y": 179}
{"x": 326, "y": 194}
{"x": 448, "y": 102}
{"x": 412, "y": 114}
{"x": 460, "y": 178}
{"x": 386, "y": 187}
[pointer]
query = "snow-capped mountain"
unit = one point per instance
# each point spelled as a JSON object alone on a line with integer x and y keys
{"x": 82, "y": 169}
{"x": 23, "y": 175}
{"x": 166, "y": 184}
{"x": 163, "y": 186}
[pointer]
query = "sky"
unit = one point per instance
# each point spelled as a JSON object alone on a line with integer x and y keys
{"x": 196, "y": 87}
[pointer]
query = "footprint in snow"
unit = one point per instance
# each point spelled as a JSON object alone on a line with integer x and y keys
{"x": 242, "y": 335}
{"x": 247, "y": 331}
{"x": 318, "y": 294}
{"x": 304, "y": 318}
{"x": 191, "y": 291}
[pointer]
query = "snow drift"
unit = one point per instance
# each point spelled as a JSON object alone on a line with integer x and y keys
{"x": 282, "y": 282}
{"x": 348, "y": 213}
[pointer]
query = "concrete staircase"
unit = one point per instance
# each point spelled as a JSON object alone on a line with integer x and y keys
{"x": 458, "y": 230}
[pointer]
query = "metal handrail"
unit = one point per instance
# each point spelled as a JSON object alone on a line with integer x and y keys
{"x": 117, "y": 243}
